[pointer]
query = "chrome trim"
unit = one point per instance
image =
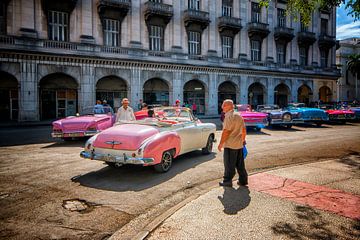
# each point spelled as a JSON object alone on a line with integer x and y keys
{"x": 116, "y": 159}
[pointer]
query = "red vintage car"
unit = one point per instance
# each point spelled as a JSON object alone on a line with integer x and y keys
{"x": 254, "y": 119}
{"x": 338, "y": 114}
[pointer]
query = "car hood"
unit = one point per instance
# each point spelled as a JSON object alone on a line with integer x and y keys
{"x": 79, "y": 123}
{"x": 124, "y": 136}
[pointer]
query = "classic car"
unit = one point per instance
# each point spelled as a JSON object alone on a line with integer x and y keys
{"x": 253, "y": 119}
{"x": 280, "y": 117}
{"x": 338, "y": 114}
{"x": 151, "y": 141}
{"x": 88, "y": 123}
{"x": 309, "y": 115}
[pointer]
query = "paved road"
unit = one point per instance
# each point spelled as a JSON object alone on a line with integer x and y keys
{"x": 48, "y": 191}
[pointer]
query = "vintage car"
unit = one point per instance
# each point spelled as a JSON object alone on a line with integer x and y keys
{"x": 280, "y": 117}
{"x": 309, "y": 115}
{"x": 338, "y": 114}
{"x": 90, "y": 122}
{"x": 152, "y": 141}
{"x": 253, "y": 119}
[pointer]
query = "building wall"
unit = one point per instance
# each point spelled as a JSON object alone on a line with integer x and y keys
{"x": 346, "y": 83}
{"x": 27, "y": 54}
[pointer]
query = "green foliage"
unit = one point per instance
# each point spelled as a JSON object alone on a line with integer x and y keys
{"x": 353, "y": 64}
{"x": 305, "y": 8}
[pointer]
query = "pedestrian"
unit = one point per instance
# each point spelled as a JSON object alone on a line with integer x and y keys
{"x": 98, "y": 108}
{"x": 177, "y": 103}
{"x": 194, "y": 108}
{"x": 233, "y": 141}
{"x": 105, "y": 104}
{"x": 125, "y": 113}
{"x": 139, "y": 106}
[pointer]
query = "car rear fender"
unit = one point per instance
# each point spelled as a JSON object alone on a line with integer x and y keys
{"x": 160, "y": 143}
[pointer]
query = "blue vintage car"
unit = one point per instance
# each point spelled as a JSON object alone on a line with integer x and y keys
{"x": 309, "y": 115}
{"x": 280, "y": 117}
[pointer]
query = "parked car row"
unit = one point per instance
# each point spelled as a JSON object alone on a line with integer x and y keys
{"x": 172, "y": 131}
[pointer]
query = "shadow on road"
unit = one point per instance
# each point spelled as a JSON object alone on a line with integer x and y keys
{"x": 137, "y": 178}
{"x": 252, "y": 131}
{"x": 235, "y": 200}
{"x": 282, "y": 128}
{"x": 308, "y": 125}
{"x": 311, "y": 225}
{"x": 61, "y": 143}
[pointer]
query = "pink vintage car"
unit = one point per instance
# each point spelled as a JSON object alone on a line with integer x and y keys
{"x": 90, "y": 122}
{"x": 152, "y": 141}
{"x": 257, "y": 120}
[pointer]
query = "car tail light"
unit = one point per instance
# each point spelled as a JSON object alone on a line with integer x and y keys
{"x": 133, "y": 155}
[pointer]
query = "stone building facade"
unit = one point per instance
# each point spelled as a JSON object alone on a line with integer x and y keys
{"x": 348, "y": 88}
{"x": 57, "y": 58}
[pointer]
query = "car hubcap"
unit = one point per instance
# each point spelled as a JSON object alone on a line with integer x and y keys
{"x": 166, "y": 161}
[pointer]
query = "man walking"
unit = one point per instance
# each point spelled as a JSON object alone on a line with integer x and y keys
{"x": 233, "y": 141}
{"x": 125, "y": 113}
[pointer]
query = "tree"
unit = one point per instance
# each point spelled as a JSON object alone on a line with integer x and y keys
{"x": 305, "y": 8}
{"x": 353, "y": 65}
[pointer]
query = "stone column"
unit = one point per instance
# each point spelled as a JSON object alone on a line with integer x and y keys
{"x": 136, "y": 89}
{"x": 28, "y": 18}
{"x": 135, "y": 30}
{"x": 294, "y": 87}
{"x": 268, "y": 48}
{"x": 315, "y": 47}
{"x": 244, "y": 90}
{"x": 212, "y": 103}
{"x": 28, "y": 97}
{"x": 244, "y": 39}
{"x": 86, "y": 21}
{"x": 270, "y": 91}
{"x": 212, "y": 29}
{"x": 177, "y": 26}
{"x": 178, "y": 92}
{"x": 87, "y": 91}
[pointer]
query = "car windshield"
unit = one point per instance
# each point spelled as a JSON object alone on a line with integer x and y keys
{"x": 267, "y": 107}
{"x": 243, "y": 107}
{"x": 174, "y": 113}
{"x": 97, "y": 109}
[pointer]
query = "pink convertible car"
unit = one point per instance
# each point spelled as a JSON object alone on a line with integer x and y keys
{"x": 89, "y": 123}
{"x": 257, "y": 120}
{"x": 152, "y": 141}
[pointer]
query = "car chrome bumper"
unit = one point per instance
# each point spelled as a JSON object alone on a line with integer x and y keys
{"x": 256, "y": 124}
{"x": 74, "y": 134}
{"x": 116, "y": 159}
{"x": 281, "y": 122}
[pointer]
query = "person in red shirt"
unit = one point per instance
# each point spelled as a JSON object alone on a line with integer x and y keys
{"x": 194, "y": 108}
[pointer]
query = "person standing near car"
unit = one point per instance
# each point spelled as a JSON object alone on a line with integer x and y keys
{"x": 233, "y": 141}
{"x": 125, "y": 113}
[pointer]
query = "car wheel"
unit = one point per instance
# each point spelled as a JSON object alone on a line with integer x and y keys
{"x": 288, "y": 126}
{"x": 67, "y": 139}
{"x": 257, "y": 129}
{"x": 166, "y": 162}
{"x": 209, "y": 145}
{"x": 318, "y": 124}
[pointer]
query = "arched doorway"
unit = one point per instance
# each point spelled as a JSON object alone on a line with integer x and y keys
{"x": 226, "y": 90}
{"x": 9, "y": 101}
{"x": 156, "y": 91}
{"x": 281, "y": 95}
{"x": 194, "y": 92}
{"x": 304, "y": 93}
{"x": 325, "y": 94}
{"x": 112, "y": 89}
{"x": 58, "y": 96}
{"x": 256, "y": 94}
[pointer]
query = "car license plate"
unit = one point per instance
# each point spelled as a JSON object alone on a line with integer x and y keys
{"x": 74, "y": 134}
{"x": 316, "y": 118}
{"x": 341, "y": 116}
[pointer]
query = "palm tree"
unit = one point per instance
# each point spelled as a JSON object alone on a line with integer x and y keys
{"x": 353, "y": 65}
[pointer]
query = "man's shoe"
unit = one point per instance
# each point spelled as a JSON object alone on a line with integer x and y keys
{"x": 242, "y": 184}
{"x": 225, "y": 184}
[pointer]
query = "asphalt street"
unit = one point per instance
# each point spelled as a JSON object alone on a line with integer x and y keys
{"x": 49, "y": 192}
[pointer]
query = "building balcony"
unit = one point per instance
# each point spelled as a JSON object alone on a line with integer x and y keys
{"x": 257, "y": 29}
{"x": 155, "y": 10}
{"x": 306, "y": 38}
{"x": 196, "y": 17}
{"x": 115, "y": 9}
{"x": 229, "y": 24}
{"x": 283, "y": 34}
{"x": 326, "y": 41}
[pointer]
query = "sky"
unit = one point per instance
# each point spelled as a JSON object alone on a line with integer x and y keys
{"x": 345, "y": 25}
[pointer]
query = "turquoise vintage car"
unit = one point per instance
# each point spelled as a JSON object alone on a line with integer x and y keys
{"x": 309, "y": 115}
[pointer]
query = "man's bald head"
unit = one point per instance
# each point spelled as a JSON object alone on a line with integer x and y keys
{"x": 227, "y": 105}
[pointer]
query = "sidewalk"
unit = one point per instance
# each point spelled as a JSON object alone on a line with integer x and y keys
{"x": 312, "y": 201}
